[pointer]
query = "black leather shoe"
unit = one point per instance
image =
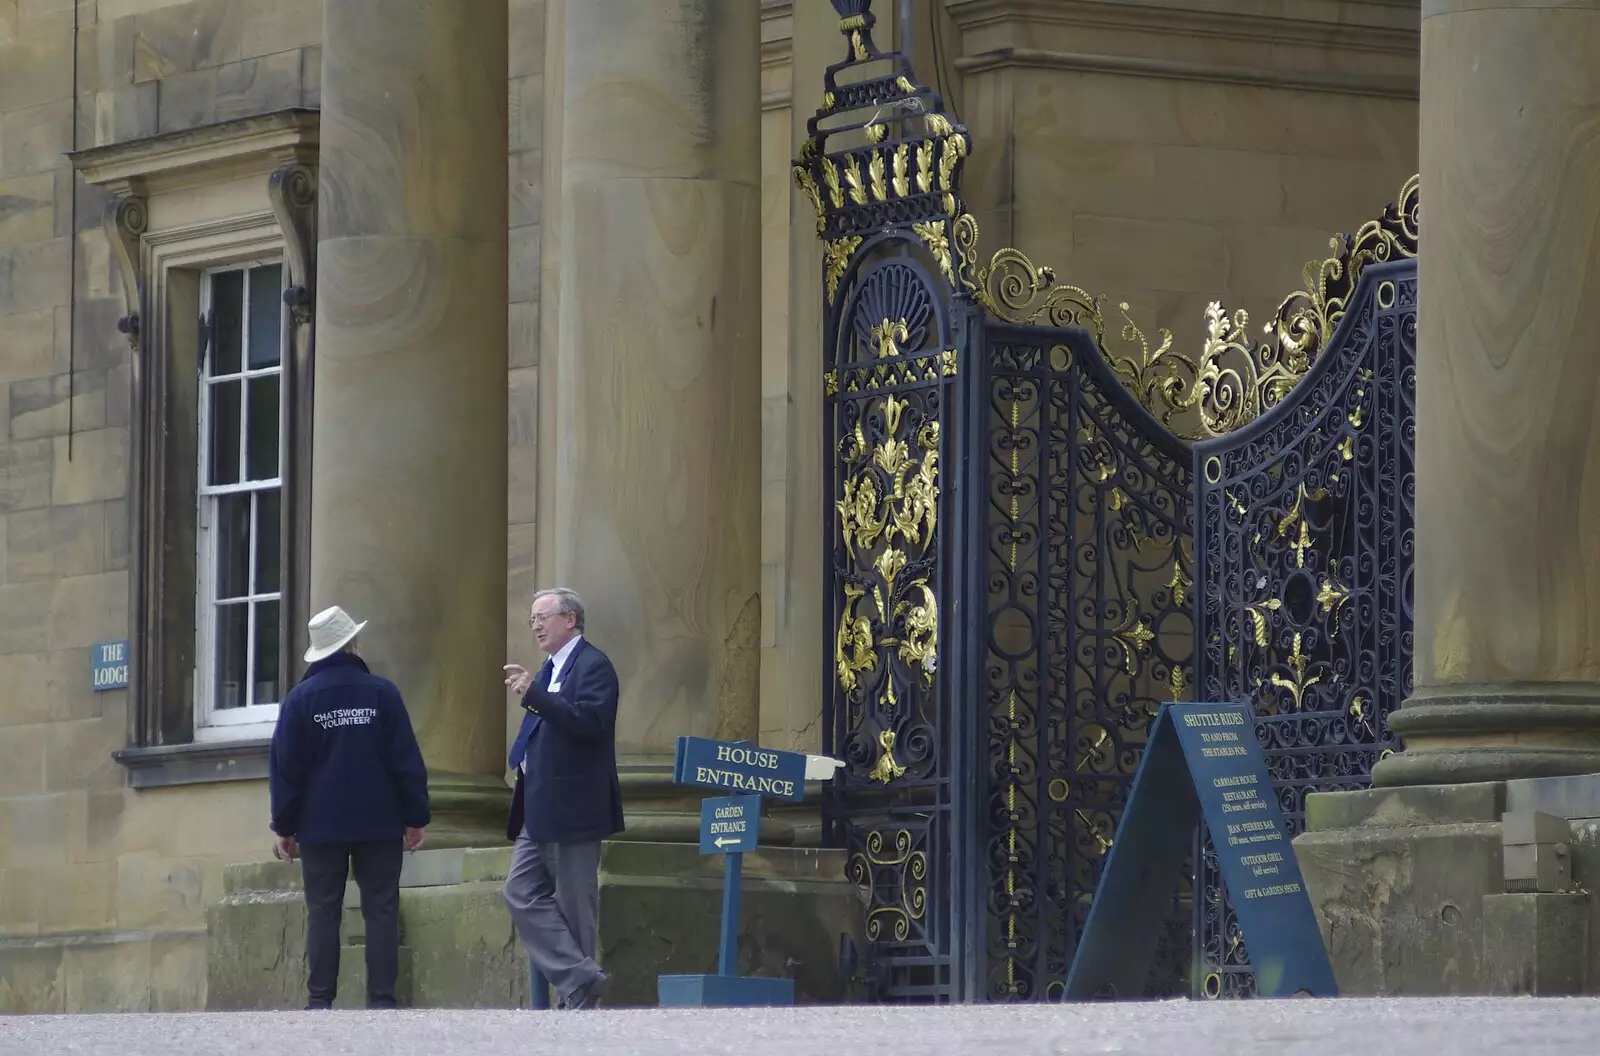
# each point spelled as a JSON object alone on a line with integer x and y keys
{"x": 589, "y": 995}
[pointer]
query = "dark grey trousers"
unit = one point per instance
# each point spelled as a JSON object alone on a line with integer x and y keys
{"x": 553, "y": 892}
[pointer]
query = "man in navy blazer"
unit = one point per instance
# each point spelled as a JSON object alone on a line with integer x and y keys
{"x": 567, "y": 799}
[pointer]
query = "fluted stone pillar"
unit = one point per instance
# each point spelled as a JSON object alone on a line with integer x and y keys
{"x": 408, "y": 512}
{"x": 649, "y": 477}
{"x": 1507, "y": 670}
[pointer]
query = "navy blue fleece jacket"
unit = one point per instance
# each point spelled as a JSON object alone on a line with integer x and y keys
{"x": 345, "y": 766}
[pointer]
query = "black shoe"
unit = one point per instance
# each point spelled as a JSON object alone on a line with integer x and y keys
{"x": 589, "y": 995}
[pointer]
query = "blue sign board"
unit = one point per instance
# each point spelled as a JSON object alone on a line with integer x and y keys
{"x": 740, "y": 767}
{"x": 108, "y": 666}
{"x": 1201, "y": 760}
{"x": 728, "y": 825}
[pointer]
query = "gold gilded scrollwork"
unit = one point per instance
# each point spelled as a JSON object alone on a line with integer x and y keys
{"x": 932, "y": 233}
{"x": 889, "y": 504}
{"x": 888, "y": 335}
{"x": 1233, "y": 380}
{"x": 909, "y": 877}
{"x": 836, "y": 255}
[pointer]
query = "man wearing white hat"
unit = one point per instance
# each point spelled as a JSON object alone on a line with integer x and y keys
{"x": 348, "y": 787}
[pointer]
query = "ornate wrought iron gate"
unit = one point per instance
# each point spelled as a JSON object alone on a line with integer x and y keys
{"x": 1025, "y": 551}
{"x": 1304, "y": 541}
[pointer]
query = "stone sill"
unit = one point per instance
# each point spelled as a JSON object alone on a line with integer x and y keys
{"x": 204, "y": 763}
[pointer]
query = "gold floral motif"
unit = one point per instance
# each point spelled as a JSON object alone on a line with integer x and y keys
{"x": 856, "y": 652}
{"x": 1297, "y": 686}
{"x": 925, "y": 166}
{"x": 827, "y": 100}
{"x": 902, "y": 184}
{"x": 861, "y": 522}
{"x": 857, "y": 48}
{"x": 947, "y": 363}
{"x": 1331, "y": 596}
{"x": 875, "y": 132}
{"x": 932, "y": 233}
{"x": 836, "y": 257}
{"x": 886, "y": 769}
{"x": 1259, "y": 619}
{"x": 1133, "y": 636}
{"x": 830, "y": 175}
{"x": 888, "y": 335}
{"x": 830, "y": 383}
{"x": 1179, "y": 584}
{"x": 880, "y": 188}
{"x": 852, "y": 178}
{"x": 951, "y": 151}
{"x": 919, "y": 646}
{"x": 1176, "y": 683}
{"x": 904, "y": 84}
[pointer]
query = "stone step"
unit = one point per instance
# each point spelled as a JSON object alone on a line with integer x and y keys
{"x": 353, "y": 978}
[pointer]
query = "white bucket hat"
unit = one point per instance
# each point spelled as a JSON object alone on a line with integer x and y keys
{"x": 331, "y": 630}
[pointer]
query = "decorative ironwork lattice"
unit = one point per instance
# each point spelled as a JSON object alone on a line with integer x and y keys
{"x": 1304, "y": 553}
{"x": 1024, "y": 553}
{"x": 1086, "y": 580}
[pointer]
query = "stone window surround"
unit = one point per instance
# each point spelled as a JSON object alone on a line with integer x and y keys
{"x": 272, "y": 158}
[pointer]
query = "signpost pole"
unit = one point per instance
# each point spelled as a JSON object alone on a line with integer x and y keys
{"x": 732, "y": 874}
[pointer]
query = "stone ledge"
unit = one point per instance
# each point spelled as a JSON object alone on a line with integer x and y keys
{"x": 1407, "y": 807}
{"x": 202, "y": 763}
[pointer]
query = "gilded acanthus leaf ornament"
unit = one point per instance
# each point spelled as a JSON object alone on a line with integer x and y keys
{"x": 921, "y": 640}
{"x": 933, "y": 236}
{"x": 836, "y": 258}
{"x": 855, "y": 652}
{"x": 1233, "y": 380}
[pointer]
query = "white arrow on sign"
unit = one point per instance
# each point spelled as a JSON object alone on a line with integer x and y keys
{"x": 723, "y": 841}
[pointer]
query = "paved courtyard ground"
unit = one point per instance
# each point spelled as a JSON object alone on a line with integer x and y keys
{"x": 1456, "y": 1027}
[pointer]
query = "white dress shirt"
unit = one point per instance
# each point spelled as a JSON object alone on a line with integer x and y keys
{"x": 558, "y": 664}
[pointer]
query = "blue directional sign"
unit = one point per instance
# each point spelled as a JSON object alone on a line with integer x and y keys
{"x": 108, "y": 666}
{"x": 1202, "y": 760}
{"x": 729, "y": 824}
{"x": 740, "y": 767}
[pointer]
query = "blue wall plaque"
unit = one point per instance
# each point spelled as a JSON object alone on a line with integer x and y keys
{"x": 108, "y": 666}
{"x": 1201, "y": 759}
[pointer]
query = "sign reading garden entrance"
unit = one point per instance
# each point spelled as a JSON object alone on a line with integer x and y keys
{"x": 1201, "y": 760}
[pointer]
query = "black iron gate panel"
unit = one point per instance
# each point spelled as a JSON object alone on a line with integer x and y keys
{"x": 1304, "y": 545}
{"x": 893, "y": 411}
{"x": 1085, "y": 580}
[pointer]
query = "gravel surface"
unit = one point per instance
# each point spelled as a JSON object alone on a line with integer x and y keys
{"x": 1430, "y": 1027}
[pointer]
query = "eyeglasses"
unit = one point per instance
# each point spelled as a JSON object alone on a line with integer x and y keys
{"x": 544, "y": 617}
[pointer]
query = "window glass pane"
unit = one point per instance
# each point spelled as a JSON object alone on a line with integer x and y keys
{"x": 269, "y": 515}
{"x": 232, "y": 528}
{"x": 266, "y": 676}
{"x": 232, "y": 636}
{"x": 227, "y": 302}
{"x": 266, "y": 316}
{"x": 223, "y": 456}
{"x": 262, "y": 452}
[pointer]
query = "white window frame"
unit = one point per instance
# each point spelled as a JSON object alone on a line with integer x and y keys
{"x": 250, "y": 719}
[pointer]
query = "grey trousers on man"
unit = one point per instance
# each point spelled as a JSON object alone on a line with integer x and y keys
{"x": 553, "y": 892}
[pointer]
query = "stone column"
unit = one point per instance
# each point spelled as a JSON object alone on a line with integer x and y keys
{"x": 649, "y": 481}
{"x": 408, "y": 511}
{"x": 1507, "y": 674}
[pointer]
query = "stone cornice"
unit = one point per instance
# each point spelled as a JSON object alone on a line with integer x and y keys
{"x": 777, "y": 53}
{"x": 1173, "y": 69}
{"x": 261, "y": 142}
{"x": 1392, "y": 25}
{"x": 1354, "y": 47}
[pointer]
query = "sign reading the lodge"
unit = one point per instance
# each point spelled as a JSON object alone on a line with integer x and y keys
{"x": 1202, "y": 759}
{"x": 741, "y": 768}
{"x": 108, "y": 666}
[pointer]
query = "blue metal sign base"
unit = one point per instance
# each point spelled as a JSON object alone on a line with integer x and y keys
{"x": 723, "y": 991}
